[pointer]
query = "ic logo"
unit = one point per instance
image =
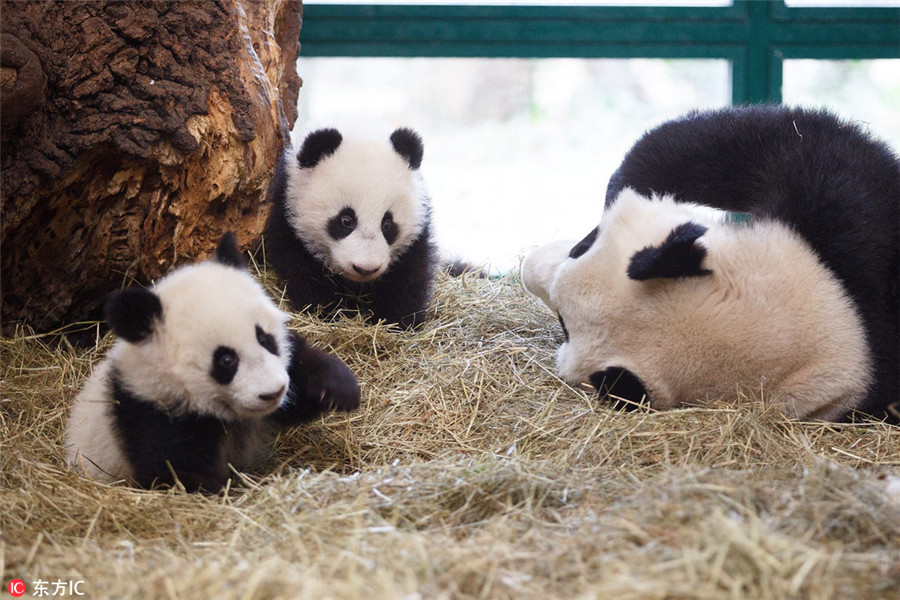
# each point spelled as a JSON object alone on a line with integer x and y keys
{"x": 16, "y": 587}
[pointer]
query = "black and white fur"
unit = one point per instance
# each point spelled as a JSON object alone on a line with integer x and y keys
{"x": 350, "y": 226}
{"x": 666, "y": 303}
{"x": 202, "y": 376}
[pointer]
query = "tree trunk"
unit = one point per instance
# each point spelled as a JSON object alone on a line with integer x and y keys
{"x": 133, "y": 135}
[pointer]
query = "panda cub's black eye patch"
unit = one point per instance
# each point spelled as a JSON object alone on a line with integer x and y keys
{"x": 224, "y": 364}
{"x": 388, "y": 228}
{"x": 342, "y": 224}
{"x": 266, "y": 340}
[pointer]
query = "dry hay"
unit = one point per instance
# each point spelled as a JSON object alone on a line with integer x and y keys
{"x": 470, "y": 471}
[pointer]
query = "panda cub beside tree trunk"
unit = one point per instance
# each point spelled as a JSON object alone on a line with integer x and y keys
{"x": 202, "y": 376}
{"x": 350, "y": 226}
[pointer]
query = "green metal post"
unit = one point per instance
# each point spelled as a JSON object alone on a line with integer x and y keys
{"x": 756, "y": 36}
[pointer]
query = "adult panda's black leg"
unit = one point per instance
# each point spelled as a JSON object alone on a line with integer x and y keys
{"x": 320, "y": 382}
{"x": 621, "y": 387}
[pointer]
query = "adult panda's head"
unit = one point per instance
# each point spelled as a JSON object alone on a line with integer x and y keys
{"x": 665, "y": 300}
{"x": 205, "y": 339}
{"x": 601, "y": 300}
{"x": 357, "y": 204}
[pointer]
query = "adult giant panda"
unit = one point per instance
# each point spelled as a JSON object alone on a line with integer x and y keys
{"x": 201, "y": 377}
{"x": 664, "y": 302}
{"x": 350, "y": 226}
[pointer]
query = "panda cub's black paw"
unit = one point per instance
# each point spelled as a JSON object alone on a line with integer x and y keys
{"x": 329, "y": 382}
{"x": 320, "y": 382}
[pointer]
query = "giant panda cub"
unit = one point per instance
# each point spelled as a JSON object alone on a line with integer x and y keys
{"x": 350, "y": 226}
{"x": 666, "y": 303}
{"x": 202, "y": 376}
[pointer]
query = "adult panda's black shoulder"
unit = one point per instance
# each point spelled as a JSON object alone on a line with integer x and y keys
{"x": 824, "y": 178}
{"x": 350, "y": 226}
{"x": 201, "y": 377}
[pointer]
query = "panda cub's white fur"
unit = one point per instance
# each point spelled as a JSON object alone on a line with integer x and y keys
{"x": 760, "y": 310}
{"x": 360, "y": 168}
{"x": 91, "y": 443}
{"x": 350, "y": 226}
{"x": 202, "y": 374}
{"x": 205, "y": 305}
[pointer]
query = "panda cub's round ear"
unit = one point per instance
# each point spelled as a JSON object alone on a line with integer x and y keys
{"x": 319, "y": 144}
{"x": 228, "y": 253}
{"x": 408, "y": 144}
{"x": 132, "y": 312}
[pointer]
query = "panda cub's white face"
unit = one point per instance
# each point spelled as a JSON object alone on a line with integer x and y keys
{"x": 219, "y": 347}
{"x": 356, "y": 204}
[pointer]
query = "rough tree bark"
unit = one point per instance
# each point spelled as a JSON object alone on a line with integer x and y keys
{"x": 134, "y": 133}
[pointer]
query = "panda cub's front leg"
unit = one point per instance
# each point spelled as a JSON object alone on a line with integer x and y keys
{"x": 402, "y": 294}
{"x": 319, "y": 382}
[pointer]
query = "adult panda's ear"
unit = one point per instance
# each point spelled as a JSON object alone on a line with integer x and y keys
{"x": 627, "y": 390}
{"x": 408, "y": 144}
{"x": 319, "y": 144}
{"x": 680, "y": 255}
{"x": 228, "y": 253}
{"x": 132, "y": 313}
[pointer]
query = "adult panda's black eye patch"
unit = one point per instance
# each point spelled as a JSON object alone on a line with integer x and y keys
{"x": 563, "y": 325}
{"x": 583, "y": 246}
{"x": 389, "y": 228}
{"x": 266, "y": 340}
{"x": 342, "y": 224}
{"x": 224, "y": 364}
{"x": 678, "y": 256}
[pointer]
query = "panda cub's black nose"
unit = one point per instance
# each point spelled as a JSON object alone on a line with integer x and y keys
{"x": 365, "y": 272}
{"x": 273, "y": 396}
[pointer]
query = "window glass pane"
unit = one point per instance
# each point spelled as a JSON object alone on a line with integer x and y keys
{"x": 865, "y": 91}
{"x": 517, "y": 151}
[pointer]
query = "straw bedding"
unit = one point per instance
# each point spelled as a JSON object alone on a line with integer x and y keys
{"x": 470, "y": 471}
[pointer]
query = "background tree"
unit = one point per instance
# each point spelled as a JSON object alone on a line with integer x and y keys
{"x": 133, "y": 134}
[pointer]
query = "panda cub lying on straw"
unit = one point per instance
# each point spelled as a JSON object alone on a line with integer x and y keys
{"x": 350, "y": 226}
{"x": 663, "y": 302}
{"x": 201, "y": 377}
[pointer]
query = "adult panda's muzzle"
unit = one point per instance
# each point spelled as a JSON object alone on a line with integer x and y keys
{"x": 539, "y": 269}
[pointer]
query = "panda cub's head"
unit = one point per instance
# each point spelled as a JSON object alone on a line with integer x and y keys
{"x": 205, "y": 340}
{"x": 357, "y": 204}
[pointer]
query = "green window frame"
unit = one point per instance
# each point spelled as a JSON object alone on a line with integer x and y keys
{"x": 754, "y": 36}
